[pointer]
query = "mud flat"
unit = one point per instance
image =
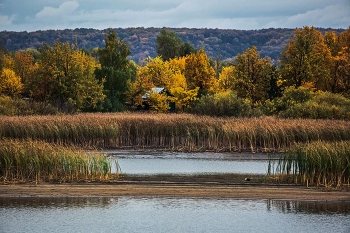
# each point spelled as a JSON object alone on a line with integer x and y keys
{"x": 130, "y": 188}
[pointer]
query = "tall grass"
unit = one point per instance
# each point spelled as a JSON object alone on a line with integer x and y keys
{"x": 22, "y": 161}
{"x": 178, "y": 132}
{"x": 318, "y": 164}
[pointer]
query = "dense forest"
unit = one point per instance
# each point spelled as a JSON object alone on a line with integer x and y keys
{"x": 218, "y": 43}
{"x": 311, "y": 78}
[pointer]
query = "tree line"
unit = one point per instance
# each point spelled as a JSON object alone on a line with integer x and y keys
{"x": 311, "y": 78}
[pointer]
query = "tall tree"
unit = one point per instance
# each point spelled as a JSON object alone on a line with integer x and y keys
{"x": 116, "y": 70}
{"x": 252, "y": 76}
{"x": 305, "y": 59}
{"x": 24, "y": 67}
{"x": 337, "y": 64}
{"x": 199, "y": 73}
{"x": 10, "y": 83}
{"x": 170, "y": 45}
{"x": 66, "y": 75}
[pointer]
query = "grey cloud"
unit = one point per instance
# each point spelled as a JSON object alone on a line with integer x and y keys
{"x": 238, "y": 14}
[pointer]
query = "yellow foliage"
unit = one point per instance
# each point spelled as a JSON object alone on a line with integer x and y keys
{"x": 183, "y": 97}
{"x": 8, "y": 62}
{"x": 199, "y": 72}
{"x": 159, "y": 102}
{"x": 10, "y": 83}
{"x": 227, "y": 78}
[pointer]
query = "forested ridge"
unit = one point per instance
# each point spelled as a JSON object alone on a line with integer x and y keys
{"x": 218, "y": 43}
{"x": 311, "y": 78}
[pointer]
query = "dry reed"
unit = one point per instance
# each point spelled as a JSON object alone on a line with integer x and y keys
{"x": 23, "y": 161}
{"x": 318, "y": 163}
{"x": 177, "y": 132}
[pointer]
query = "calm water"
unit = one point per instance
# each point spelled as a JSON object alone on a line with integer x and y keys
{"x": 129, "y": 214}
{"x": 189, "y": 163}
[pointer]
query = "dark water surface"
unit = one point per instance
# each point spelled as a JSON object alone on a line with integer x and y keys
{"x": 152, "y": 163}
{"x": 151, "y": 214}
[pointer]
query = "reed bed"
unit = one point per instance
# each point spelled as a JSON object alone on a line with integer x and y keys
{"x": 26, "y": 161}
{"x": 318, "y": 163}
{"x": 177, "y": 132}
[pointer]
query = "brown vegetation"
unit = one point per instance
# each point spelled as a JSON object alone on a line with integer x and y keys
{"x": 176, "y": 132}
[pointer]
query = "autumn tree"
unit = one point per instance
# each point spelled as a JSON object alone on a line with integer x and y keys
{"x": 305, "y": 59}
{"x": 339, "y": 64}
{"x": 252, "y": 76}
{"x": 24, "y": 67}
{"x": 10, "y": 83}
{"x": 66, "y": 75}
{"x": 162, "y": 74}
{"x": 182, "y": 94}
{"x": 227, "y": 78}
{"x": 199, "y": 73}
{"x": 116, "y": 70}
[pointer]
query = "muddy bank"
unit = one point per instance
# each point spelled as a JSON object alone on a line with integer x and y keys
{"x": 248, "y": 191}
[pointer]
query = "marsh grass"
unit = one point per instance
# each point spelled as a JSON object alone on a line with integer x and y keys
{"x": 26, "y": 161}
{"x": 318, "y": 163}
{"x": 176, "y": 132}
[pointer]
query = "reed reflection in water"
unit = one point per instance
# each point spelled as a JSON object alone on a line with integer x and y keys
{"x": 147, "y": 214}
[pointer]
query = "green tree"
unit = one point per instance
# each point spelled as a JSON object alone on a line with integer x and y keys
{"x": 305, "y": 59}
{"x": 170, "y": 45}
{"x": 252, "y": 76}
{"x": 116, "y": 70}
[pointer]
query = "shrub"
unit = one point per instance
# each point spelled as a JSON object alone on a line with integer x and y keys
{"x": 223, "y": 104}
{"x": 324, "y": 105}
{"x": 18, "y": 107}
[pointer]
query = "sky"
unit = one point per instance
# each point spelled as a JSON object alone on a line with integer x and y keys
{"x": 33, "y": 15}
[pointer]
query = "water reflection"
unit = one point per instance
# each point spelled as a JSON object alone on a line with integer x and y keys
{"x": 309, "y": 207}
{"x": 56, "y": 202}
{"x": 147, "y": 214}
{"x": 147, "y": 163}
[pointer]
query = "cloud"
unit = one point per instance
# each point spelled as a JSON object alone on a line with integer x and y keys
{"x": 53, "y": 14}
{"x": 228, "y": 14}
{"x": 6, "y": 21}
{"x": 329, "y": 16}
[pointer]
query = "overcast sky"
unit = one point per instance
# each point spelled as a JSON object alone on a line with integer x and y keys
{"x": 32, "y": 15}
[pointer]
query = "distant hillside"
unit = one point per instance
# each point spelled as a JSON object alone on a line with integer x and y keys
{"x": 225, "y": 44}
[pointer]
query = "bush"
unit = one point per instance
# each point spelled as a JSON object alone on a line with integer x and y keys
{"x": 324, "y": 105}
{"x": 19, "y": 107}
{"x": 223, "y": 104}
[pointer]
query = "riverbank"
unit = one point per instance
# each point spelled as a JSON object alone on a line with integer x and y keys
{"x": 241, "y": 191}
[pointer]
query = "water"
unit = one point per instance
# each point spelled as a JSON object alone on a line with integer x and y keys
{"x": 151, "y": 214}
{"x": 149, "y": 163}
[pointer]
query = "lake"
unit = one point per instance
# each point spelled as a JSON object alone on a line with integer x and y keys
{"x": 161, "y": 214}
{"x": 155, "y": 163}
{"x": 170, "y": 214}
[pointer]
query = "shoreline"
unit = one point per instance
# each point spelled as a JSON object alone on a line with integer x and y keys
{"x": 161, "y": 189}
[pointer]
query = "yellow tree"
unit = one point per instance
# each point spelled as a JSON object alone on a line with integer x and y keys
{"x": 305, "y": 59}
{"x": 67, "y": 75}
{"x": 252, "y": 76}
{"x": 163, "y": 74}
{"x": 199, "y": 73}
{"x": 338, "y": 64}
{"x": 24, "y": 63}
{"x": 142, "y": 84}
{"x": 10, "y": 83}
{"x": 158, "y": 102}
{"x": 227, "y": 78}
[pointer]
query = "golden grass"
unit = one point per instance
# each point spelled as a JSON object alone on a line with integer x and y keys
{"x": 23, "y": 161}
{"x": 317, "y": 163}
{"x": 177, "y": 132}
